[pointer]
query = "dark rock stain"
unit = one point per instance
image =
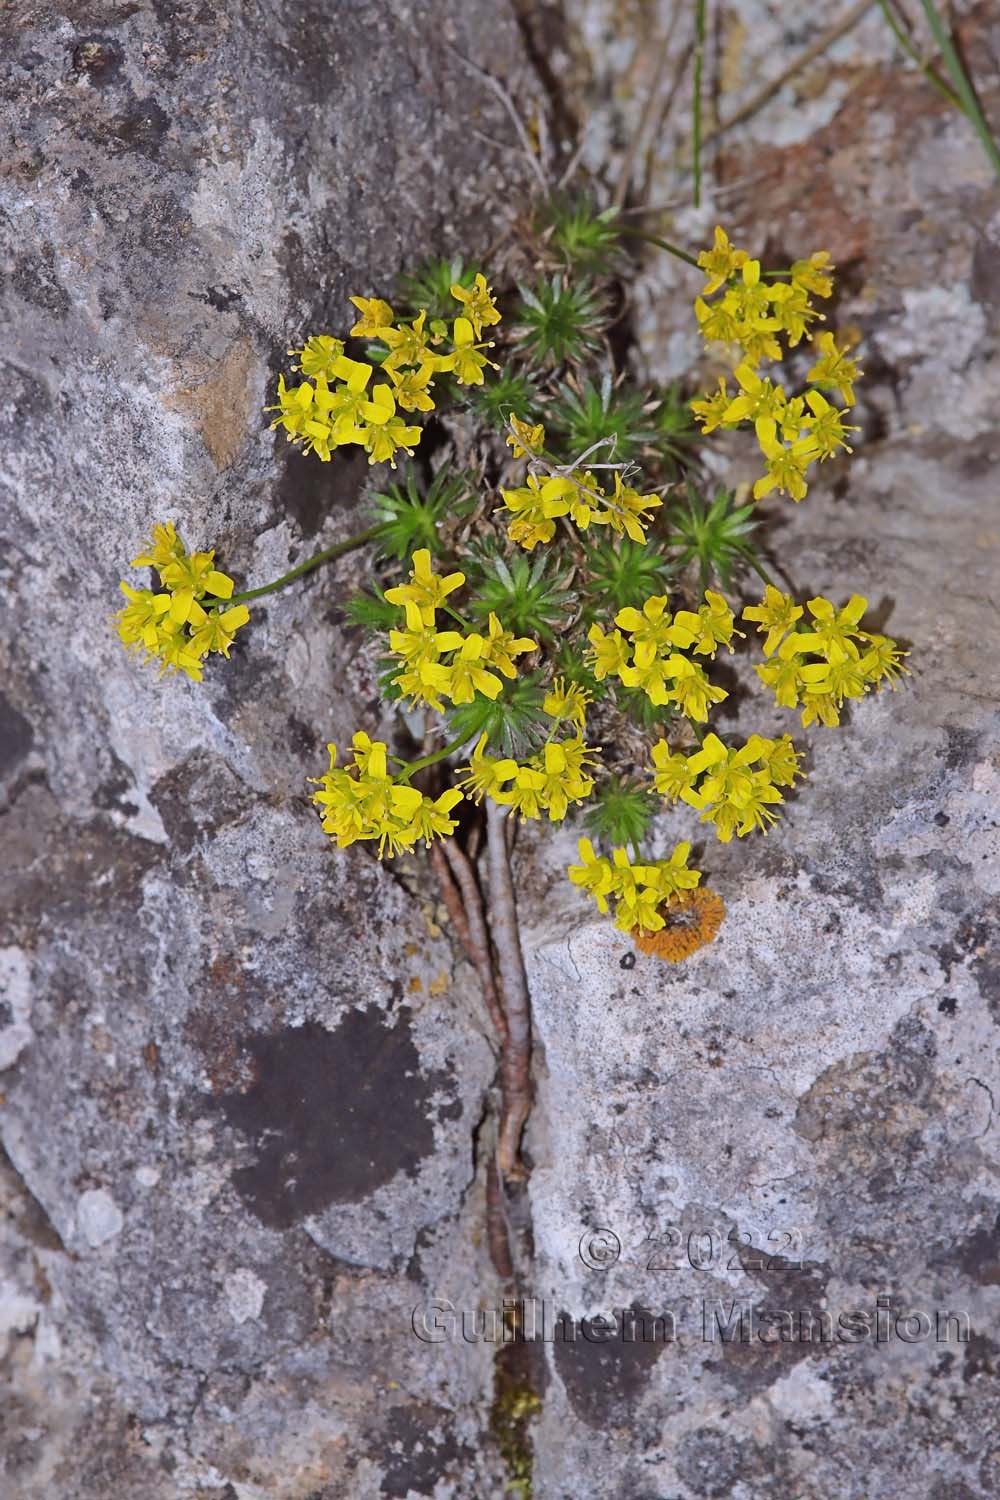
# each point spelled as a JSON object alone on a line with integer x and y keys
{"x": 606, "y": 1376}
{"x": 98, "y": 59}
{"x": 418, "y": 1451}
{"x": 16, "y": 737}
{"x": 334, "y": 1115}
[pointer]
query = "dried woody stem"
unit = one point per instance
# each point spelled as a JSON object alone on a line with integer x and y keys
{"x": 515, "y": 1058}
{"x": 476, "y": 941}
{"x": 512, "y": 1023}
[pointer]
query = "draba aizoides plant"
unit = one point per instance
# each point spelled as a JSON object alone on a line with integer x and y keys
{"x": 549, "y": 598}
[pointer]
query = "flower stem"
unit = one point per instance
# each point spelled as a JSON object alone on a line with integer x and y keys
{"x": 759, "y": 569}
{"x": 961, "y": 83}
{"x": 929, "y": 72}
{"x": 699, "y": 57}
{"x": 338, "y": 550}
{"x": 413, "y": 766}
{"x": 654, "y": 239}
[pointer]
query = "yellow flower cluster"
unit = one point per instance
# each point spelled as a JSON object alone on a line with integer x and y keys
{"x": 363, "y": 801}
{"x": 543, "y": 498}
{"x": 652, "y": 659}
{"x": 551, "y": 781}
{"x": 333, "y": 406}
{"x": 733, "y": 789}
{"x": 639, "y": 891}
{"x": 830, "y": 660}
{"x": 427, "y": 677}
{"x": 793, "y": 432}
{"x": 184, "y": 621}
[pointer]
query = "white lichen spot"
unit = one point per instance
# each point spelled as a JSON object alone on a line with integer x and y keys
{"x": 245, "y": 1294}
{"x": 98, "y": 1217}
{"x": 15, "y": 1005}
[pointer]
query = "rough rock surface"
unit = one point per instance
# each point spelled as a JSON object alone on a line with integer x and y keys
{"x": 244, "y": 1078}
{"x": 241, "y": 1079}
{"x": 802, "y": 1118}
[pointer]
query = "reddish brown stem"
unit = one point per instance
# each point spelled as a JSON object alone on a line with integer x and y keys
{"x": 515, "y": 1058}
{"x": 496, "y": 1225}
{"x": 478, "y": 944}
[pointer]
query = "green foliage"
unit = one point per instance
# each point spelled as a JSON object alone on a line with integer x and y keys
{"x": 714, "y": 534}
{"x": 587, "y": 240}
{"x": 513, "y": 723}
{"x": 558, "y": 322}
{"x": 411, "y": 517}
{"x": 623, "y": 573}
{"x": 675, "y": 430}
{"x": 572, "y": 666}
{"x": 651, "y": 718}
{"x": 372, "y": 611}
{"x": 429, "y": 286}
{"x": 524, "y": 590}
{"x": 596, "y": 411}
{"x": 620, "y": 812}
{"x": 512, "y": 392}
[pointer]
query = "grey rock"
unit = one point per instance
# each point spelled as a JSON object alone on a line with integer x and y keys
{"x": 244, "y": 1077}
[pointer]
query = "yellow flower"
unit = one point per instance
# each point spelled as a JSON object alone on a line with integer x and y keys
{"x": 626, "y": 510}
{"x": 175, "y": 654}
{"x": 468, "y": 672}
{"x": 413, "y": 388}
{"x": 638, "y": 890}
{"x": 813, "y": 275}
{"x": 215, "y": 630}
{"x": 883, "y": 660}
{"x": 365, "y": 802}
{"x": 567, "y": 702}
{"x": 408, "y": 344}
{"x": 718, "y": 321}
{"x": 524, "y": 794}
{"x": 720, "y": 262}
{"x": 480, "y": 309}
{"x": 466, "y": 358}
{"x": 525, "y": 439}
{"x": 672, "y": 774}
{"x": 833, "y": 371}
{"x": 530, "y": 525}
{"x": 139, "y": 622}
{"x": 426, "y": 589}
{"x": 692, "y": 691}
{"x": 776, "y": 614}
{"x": 609, "y": 653}
{"x": 500, "y": 646}
{"x": 717, "y": 625}
{"x": 486, "y": 775}
{"x": 424, "y": 677}
{"x": 786, "y": 466}
{"x": 760, "y": 398}
{"x": 385, "y": 432}
{"x": 826, "y": 426}
{"x": 164, "y": 547}
{"x": 711, "y": 410}
{"x": 594, "y": 875}
{"x": 649, "y": 628}
{"x": 317, "y": 355}
{"x": 375, "y": 316}
{"x": 295, "y": 403}
{"x": 835, "y": 627}
{"x": 566, "y": 779}
{"x": 431, "y": 819}
{"x": 793, "y": 311}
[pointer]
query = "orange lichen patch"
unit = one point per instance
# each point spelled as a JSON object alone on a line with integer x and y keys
{"x": 692, "y": 919}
